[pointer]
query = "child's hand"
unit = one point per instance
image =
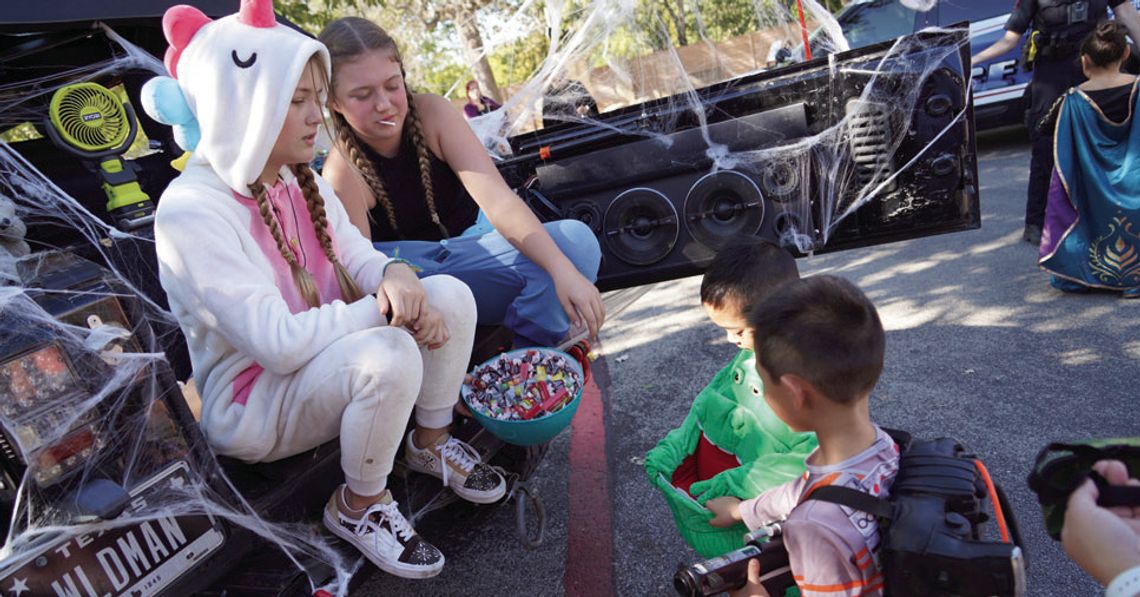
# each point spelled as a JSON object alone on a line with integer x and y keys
{"x": 430, "y": 330}
{"x": 401, "y": 297}
{"x": 726, "y": 511}
{"x": 753, "y": 588}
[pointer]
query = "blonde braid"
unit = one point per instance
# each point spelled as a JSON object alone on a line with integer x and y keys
{"x": 301, "y": 277}
{"x": 417, "y": 133}
{"x": 349, "y": 290}
{"x": 352, "y": 148}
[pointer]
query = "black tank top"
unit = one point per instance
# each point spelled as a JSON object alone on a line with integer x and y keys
{"x": 401, "y": 178}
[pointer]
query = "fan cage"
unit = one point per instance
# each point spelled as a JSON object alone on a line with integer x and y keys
{"x": 91, "y": 117}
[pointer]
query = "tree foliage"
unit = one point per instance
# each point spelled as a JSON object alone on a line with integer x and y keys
{"x": 430, "y": 30}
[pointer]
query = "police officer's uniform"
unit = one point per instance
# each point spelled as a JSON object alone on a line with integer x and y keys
{"x": 1060, "y": 27}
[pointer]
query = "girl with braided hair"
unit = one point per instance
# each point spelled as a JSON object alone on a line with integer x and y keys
{"x": 413, "y": 178}
{"x": 300, "y": 332}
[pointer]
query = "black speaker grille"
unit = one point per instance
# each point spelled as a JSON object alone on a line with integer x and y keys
{"x": 721, "y": 205}
{"x": 640, "y": 226}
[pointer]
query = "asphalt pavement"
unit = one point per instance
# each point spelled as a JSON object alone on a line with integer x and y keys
{"x": 979, "y": 348}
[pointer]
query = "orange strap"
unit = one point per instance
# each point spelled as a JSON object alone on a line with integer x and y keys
{"x": 998, "y": 515}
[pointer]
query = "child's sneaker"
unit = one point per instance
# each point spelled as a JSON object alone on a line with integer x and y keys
{"x": 464, "y": 473}
{"x": 385, "y": 537}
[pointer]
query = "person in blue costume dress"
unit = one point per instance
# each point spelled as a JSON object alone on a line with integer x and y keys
{"x": 1092, "y": 224}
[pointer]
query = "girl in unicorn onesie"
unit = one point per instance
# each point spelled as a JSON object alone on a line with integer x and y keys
{"x": 299, "y": 330}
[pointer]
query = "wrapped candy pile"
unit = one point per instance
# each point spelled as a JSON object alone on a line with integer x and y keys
{"x": 523, "y": 385}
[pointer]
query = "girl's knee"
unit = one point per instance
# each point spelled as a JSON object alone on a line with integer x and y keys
{"x": 579, "y": 243}
{"x": 383, "y": 358}
{"x": 449, "y": 294}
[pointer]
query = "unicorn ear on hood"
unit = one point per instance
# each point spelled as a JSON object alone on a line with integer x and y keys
{"x": 230, "y": 84}
{"x": 162, "y": 99}
{"x": 179, "y": 24}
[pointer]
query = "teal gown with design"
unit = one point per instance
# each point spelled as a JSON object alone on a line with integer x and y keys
{"x": 1092, "y": 219}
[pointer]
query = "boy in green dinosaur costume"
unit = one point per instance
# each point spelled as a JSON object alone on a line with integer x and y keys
{"x": 731, "y": 443}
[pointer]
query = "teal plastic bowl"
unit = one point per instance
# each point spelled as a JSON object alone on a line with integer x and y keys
{"x": 534, "y": 431}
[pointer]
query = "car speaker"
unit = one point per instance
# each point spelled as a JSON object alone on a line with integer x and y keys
{"x": 640, "y": 226}
{"x": 721, "y": 205}
{"x": 873, "y": 145}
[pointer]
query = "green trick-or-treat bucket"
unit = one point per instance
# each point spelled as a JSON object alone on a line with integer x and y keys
{"x": 692, "y": 520}
{"x": 534, "y": 431}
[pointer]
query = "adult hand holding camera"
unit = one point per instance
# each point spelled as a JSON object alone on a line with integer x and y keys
{"x": 753, "y": 588}
{"x": 1105, "y": 542}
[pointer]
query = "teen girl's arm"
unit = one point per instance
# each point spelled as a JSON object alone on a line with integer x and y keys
{"x": 399, "y": 294}
{"x": 351, "y": 188}
{"x": 463, "y": 152}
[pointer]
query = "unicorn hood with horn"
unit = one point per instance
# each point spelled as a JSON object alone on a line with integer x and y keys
{"x": 224, "y": 96}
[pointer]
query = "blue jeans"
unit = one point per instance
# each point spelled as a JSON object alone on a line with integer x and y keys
{"x": 509, "y": 288}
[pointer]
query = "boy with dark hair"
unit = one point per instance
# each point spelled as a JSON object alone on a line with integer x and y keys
{"x": 731, "y": 443}
{"x": 819, "y": 352}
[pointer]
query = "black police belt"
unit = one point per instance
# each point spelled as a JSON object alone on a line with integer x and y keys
{"x": 1064, "y": 44}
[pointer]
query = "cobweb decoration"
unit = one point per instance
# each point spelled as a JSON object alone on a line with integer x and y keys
{"x": 584, "y": 82}
{"x": 88, "y": 405}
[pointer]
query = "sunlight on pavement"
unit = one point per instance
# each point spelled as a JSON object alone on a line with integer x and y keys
{"x": 910, "y": 267}
{"x": 1012, "y": 238}
{"x": 1080, "y": 356}
{"x": 907, "y": 314}
{"x": 1132, "y": 349}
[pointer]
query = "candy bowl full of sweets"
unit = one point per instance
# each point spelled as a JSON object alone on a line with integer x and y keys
{"x": 526, "y": 396}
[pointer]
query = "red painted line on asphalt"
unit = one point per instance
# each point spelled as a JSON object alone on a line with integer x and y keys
{"x": 589, "y": 552}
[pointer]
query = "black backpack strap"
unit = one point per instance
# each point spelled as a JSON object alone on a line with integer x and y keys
{"x": 902, "y": 438}
{"x": 853, "y": 498}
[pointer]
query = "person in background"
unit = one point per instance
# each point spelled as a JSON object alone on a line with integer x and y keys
{"x": 1094, "y": 198}
{"x": 1058, "y": 26}
{"x": 477, "y": 103}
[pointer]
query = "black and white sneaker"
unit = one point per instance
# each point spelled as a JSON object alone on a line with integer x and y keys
{"x": 385, "y": 537}
{"x": 464, "y": 471}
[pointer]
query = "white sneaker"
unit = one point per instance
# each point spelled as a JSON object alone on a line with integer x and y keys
{"x": 464, "y": 473}
{"x": 385, "y": 537}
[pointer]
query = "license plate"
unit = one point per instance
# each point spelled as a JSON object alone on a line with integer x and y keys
{"x": 136, "y": 559}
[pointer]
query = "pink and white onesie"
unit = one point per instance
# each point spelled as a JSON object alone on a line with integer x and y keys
{"x": 276, "y": 376}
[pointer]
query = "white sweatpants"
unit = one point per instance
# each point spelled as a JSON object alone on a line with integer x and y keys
{"x": 362, "y": 388}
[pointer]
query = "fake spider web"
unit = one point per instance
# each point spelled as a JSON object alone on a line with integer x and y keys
{"x": 88, "y": 402}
